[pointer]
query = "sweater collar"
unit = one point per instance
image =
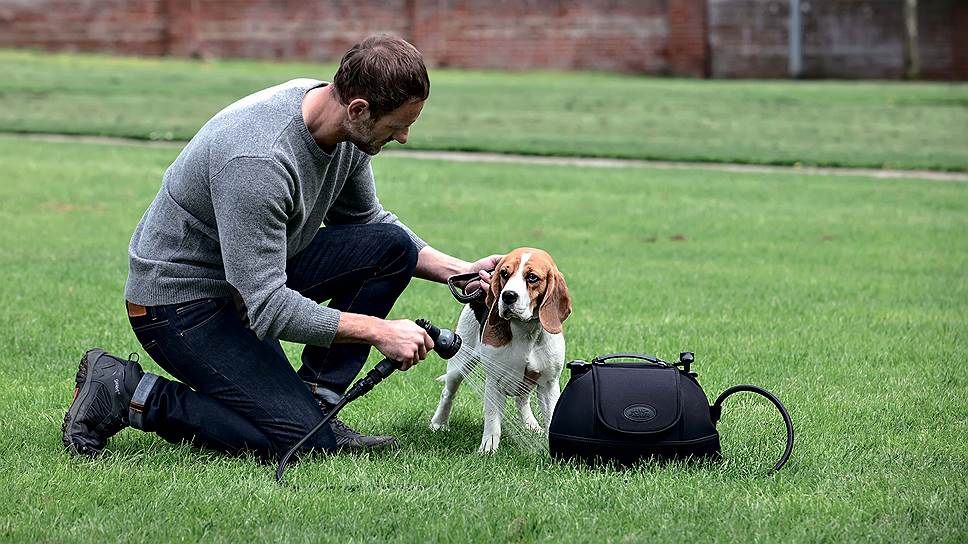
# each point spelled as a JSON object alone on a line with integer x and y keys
{"x": 304, "y": 133}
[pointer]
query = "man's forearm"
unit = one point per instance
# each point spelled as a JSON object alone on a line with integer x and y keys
{"x": 431, "y": 265}
{"x": 437, "y": 266}
{"x": 357, "y": 329}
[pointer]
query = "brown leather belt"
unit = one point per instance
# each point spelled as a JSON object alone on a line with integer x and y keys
{"x": 136, "y": 310}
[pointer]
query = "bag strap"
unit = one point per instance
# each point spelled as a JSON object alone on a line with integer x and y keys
{"x": 716, "y": 410}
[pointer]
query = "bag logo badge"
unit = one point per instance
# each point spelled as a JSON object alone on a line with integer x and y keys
{"x": 640, "y": 412}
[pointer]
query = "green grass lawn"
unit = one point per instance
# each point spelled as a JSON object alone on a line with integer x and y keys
{"x": 845, "y": 296}
{"x": 875, "y": 124}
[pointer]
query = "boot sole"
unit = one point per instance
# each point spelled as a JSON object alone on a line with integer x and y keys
{"x": 79, "y": 394}
{"x": 390, "y": 445}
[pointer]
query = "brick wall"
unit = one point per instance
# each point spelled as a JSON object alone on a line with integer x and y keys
{"x": 136, "y": 27}
{"x": 623, "y": 36}
{"x": 943, "y": 38}
{"x": 721, "y": 38}
{"x": 688, "y": 47}
{"x": 615, "y": 35}
{"x": 277, "y": 29}
{"x": 841, "y": 38}
{"x": 854, "y": 39}
{"x": 748, "y": 38}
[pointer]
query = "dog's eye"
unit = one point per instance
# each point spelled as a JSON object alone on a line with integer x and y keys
{"x": 504, "y": 273}
{"x": 532, "y": 278}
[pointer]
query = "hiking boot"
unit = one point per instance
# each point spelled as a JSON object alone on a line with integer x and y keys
{"x": 347, "y": 439}
{"x": 103, "y": 391}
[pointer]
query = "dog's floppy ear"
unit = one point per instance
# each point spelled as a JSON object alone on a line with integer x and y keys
{"x": 497, "y": 331}
{"x": 556, "y": 306}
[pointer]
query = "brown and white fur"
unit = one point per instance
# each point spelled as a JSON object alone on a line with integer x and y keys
{"x": 525, "y": 306}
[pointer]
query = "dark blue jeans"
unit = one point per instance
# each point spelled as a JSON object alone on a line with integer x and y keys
{"x": 237, "y": 393}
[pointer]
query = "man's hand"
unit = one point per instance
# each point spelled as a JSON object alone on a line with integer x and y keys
{"x": 404, "y": 341}
{"x": 484, "y": 278}
{"x": 401, "y": 340}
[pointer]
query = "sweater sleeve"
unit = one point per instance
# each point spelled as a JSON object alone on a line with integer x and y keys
{"x": 252, "y": 198}
{"x": 357, "y": 203}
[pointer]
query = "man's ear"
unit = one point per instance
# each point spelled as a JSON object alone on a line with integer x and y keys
{"x": 357, "y": 109}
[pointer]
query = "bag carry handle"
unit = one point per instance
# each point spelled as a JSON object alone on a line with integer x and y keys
{"x": 638, "y": 356}
{"x": 716, "y": 411}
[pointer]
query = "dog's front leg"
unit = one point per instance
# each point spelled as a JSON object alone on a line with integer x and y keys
{"x": 456, "y": 370}
{"x": 441, "y": 417}
{"x": 527, "y": 415}
{"x": 494, "y": 402}
{"x": 548, "y": 394}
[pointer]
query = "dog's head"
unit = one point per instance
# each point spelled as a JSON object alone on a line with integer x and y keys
{"x": 526, "y": 285}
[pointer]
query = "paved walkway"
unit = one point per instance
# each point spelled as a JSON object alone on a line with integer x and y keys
{"x": 672, "y": 165}
{"x": 462, "y": 156}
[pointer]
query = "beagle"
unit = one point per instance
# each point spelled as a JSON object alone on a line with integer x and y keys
{"x": 517, "y": 330}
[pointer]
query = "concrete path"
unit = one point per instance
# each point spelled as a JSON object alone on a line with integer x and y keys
{"x": 461, "y": 156}
{"x": 672, "y": 165}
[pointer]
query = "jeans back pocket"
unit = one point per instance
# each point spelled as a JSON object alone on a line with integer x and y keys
{"x": 192, "y": 315}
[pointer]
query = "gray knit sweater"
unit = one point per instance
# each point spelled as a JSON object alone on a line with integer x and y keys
{"x": 247, "y": 193}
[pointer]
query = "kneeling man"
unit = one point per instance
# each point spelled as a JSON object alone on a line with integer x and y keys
{"x": 230, "y": 258}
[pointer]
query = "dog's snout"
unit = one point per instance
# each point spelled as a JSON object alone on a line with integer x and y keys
{"x": 509, "y": 297}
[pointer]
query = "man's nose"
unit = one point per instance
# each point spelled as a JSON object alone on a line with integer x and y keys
{"x": 402, "y": 136}
{"x": 509, "y": 297}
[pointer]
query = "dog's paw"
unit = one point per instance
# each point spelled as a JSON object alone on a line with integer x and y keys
{"x": 489, "y": 444}
{"x": 534, "y": 426}
{"x": 435, "y": 426}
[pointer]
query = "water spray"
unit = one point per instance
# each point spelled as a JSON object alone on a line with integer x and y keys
{"x": 476, "y": 367}
{"x": 446, "y": 344}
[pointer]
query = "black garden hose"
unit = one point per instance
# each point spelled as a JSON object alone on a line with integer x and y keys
{"x": 716, "y": 412}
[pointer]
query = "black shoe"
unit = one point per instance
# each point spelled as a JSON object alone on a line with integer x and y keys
{"x": 348, "y": 439}
{"x": 105, "y": 385}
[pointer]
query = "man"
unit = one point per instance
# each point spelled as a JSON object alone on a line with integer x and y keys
{"x": 229, "y": 259}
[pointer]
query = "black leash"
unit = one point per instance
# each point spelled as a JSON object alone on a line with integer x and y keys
{"x": 716, "y": 411}
{"x": 475, "y": 300}
{"x": 465, "y": 298}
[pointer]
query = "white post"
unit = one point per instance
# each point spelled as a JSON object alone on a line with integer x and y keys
{"x": 796, "y": 39}
{"x": 912, "y": 57}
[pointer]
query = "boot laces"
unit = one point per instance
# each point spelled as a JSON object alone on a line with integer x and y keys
{"x": 341, "y": 428}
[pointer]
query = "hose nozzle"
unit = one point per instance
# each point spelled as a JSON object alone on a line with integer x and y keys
{"x": 446, "y": 342}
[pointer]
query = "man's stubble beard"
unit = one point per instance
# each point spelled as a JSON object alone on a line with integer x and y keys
{"x": 360, "y": 134}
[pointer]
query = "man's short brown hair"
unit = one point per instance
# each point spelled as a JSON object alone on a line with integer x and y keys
{"x": 386, "y": 71}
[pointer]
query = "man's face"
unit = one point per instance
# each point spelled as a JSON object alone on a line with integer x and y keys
{"x": 371, "y": 135}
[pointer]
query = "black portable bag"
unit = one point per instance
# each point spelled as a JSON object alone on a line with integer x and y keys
{"x": 627, "y": 411}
